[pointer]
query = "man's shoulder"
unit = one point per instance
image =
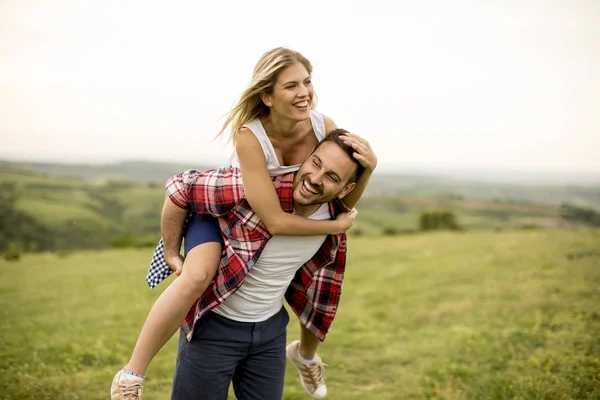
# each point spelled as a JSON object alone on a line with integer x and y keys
{"x": 212, "y": 174}
{"x": 338, "y": 206}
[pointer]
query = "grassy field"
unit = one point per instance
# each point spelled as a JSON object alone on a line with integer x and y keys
{"x": 490, "y": 315}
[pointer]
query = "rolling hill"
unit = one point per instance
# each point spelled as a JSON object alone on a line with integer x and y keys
{"x": 384, "y": 182}
{"x": 67, "y": 208}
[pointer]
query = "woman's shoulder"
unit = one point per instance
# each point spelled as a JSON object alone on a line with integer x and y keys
{"x": 329, "y": 123}
{"x": 247, "y": 141}
{"x": 246, "y": 137}
{"x": 322, "y": 124}
{"x": 255, "y": 127}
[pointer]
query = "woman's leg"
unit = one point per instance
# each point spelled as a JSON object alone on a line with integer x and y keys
{"x": 174, "y": 303}
{"x": 308, "y": 343}
{"x": 303, "y": 355}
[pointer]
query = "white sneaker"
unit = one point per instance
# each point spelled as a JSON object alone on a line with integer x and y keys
{"x": 125, "y": 389}
{"x": 312, "y": 373}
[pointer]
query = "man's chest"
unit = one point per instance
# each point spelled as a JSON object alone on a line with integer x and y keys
{"x": 283, "y": 253}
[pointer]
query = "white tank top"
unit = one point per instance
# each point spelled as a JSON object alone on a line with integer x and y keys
{"x": 275, "y": 169}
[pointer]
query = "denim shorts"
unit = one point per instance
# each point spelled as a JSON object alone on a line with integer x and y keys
{"x": 201, "y": 228}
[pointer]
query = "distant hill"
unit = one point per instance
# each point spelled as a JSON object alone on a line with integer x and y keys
{"x": 97, "y": 207}
{"x": 471, "y": 186}
{"x": 551, "y": 194}
{"x": 136, "y": 171}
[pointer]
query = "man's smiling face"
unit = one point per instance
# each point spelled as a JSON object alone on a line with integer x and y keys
{"x": 324, "y": 176}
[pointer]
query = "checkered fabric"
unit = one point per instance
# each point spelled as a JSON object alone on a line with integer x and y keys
{"x": 315, "y": 290}
{"x": 159, "y": 270}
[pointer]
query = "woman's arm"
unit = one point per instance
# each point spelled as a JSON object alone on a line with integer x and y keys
{"x": 262, "y": 196}
{"x": 366, "y": 157}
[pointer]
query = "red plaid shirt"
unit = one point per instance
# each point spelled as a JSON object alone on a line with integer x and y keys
{"x": 315, "y": 291}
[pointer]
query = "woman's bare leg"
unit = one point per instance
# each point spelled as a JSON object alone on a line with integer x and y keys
{"x": 174, "y": 303}
{"x": 308, "y": 343}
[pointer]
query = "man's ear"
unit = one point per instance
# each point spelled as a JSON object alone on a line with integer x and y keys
{"x": 266, "y": 99}
{"x": 346, "y": 190}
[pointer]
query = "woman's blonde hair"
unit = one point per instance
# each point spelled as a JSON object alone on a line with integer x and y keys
{"x": 250, "y": 105}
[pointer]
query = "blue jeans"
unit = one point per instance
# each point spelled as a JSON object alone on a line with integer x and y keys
{"x": 251, "y": 355}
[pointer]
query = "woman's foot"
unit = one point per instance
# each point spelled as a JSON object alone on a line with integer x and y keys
{"x": 312, "y": 372}
{"x": 126, "y": 387}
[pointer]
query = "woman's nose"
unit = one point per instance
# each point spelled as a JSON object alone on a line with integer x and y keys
{"x": 303, "y": 91}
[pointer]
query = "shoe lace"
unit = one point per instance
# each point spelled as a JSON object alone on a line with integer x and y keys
{"x": 315, "y": 373}
{"x": 131, "y": 391}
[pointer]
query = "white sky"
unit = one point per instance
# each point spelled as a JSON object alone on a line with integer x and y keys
{"x": 505, "y": 84}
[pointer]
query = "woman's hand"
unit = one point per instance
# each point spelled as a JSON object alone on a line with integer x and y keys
{"x": 345, "y": 220}
{"x": 363, "y": 152}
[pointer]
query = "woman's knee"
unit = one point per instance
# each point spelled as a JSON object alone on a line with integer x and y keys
{"x": 200, "y": 266}
{"x": 194, "y": 283}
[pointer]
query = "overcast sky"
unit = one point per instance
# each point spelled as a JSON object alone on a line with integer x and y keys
{"x": 495, "y": 84}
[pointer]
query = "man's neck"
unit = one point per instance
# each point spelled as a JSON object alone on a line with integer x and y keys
{"x": 306, "y": 211}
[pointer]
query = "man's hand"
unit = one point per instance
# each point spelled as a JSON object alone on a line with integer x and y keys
{"x": 346, "y": 220}
{"x": 172, "y": 219}
{"x": 175, "y": 262}
{"x": 364, "y": 153}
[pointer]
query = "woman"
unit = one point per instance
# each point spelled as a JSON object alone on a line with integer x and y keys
{"x": 273, "y": 128}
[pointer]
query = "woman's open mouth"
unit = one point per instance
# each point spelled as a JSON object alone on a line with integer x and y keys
{"x": 302, "y": 105}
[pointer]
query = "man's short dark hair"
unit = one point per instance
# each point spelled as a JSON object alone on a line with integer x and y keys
{"x": 335, "y": 137}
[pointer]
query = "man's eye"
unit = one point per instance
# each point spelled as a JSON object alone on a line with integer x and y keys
{"x": 315, "y": 163}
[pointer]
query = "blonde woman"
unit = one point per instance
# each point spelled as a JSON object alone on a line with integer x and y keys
{"x": 274, "y": 128}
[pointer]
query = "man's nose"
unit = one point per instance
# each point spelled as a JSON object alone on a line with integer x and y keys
{"x": 317, "y": 178}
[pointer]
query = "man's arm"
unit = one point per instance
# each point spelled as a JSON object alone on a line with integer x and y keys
{"x": 172, "y": 219}
{"x": 213, "y": 192}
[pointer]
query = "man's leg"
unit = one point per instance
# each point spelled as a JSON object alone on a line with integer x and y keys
{"x": 260, "y": 376}
{"x": 205, "y": 365}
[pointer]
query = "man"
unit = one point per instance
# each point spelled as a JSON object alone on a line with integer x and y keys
{"x": 236, "y": 331}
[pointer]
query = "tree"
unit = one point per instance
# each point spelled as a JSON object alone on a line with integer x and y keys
{"x": 434, "y": 220}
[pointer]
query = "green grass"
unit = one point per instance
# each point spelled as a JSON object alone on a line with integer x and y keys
{"x": 485, "y": 315}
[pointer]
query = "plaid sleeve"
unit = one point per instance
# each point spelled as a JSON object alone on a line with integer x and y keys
{"x": 214, "y": 191}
